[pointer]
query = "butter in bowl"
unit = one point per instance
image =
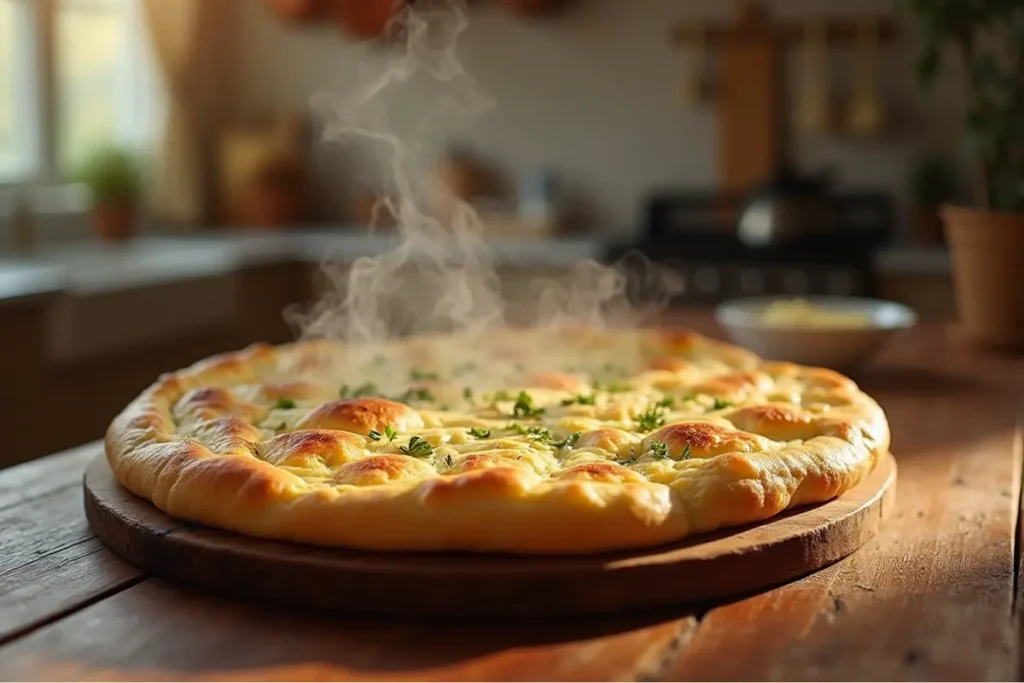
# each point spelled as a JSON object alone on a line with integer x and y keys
{"x": 840, "y": 333}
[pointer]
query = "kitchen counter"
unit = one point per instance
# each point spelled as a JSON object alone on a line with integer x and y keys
{"x": 912, "y": 259}
{"x": 21, "y": 280}
{"x": 88, "y": 266}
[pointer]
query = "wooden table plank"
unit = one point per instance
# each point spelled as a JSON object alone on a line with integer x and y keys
{"x": 40, "y": 477}
{"x": 50, "y": 561}
{"x": 157, "y": 631}
{"x": 931, "y": 597}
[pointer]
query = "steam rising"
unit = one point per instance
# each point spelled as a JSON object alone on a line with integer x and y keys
{"x": 441, "y": 277}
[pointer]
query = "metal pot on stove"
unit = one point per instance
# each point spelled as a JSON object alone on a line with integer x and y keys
{"x": 789, "y": 207}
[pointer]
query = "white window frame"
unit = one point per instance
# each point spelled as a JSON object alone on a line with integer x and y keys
{"x": 45, "y": 178}
{"x": 29, "y": 81}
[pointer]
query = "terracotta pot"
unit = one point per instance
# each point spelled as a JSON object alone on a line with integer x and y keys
{"x": 114, "y": 222}
{"x": 365, "y": 18}
{"x": 988, "y": 273}
{"x": 926, "y": 226}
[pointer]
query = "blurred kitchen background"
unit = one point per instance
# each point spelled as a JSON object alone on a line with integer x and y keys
{"x": 164, "y": 194}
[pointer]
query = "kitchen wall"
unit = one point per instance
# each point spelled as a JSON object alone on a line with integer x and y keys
{"x": 592, "y": 94}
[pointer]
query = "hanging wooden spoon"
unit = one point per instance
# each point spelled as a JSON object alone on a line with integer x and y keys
{"x": 813, "y": 112}
{"x": 697, "y": 85}
{"x": 865, "y": 115}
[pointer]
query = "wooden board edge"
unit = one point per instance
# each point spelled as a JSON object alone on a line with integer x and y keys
{"x": 445, "y": 586}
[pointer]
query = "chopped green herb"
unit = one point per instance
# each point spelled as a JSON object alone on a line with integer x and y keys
{"x": 374, "y": 435}
{"x": 524, "y": 406}
{"x": 467, "y": 393}
{"x": 417, "y": 448}
{"x": 448, "y": 461}
{"x": 667, "y": 402}
{"x": 613, "y": 387}
{"x": 480, "y": 433}
{"x": 421, "y": 376}
{"x": 567, "y": 442}
{"x": 650, "y": 420}
{"x": 539, "y": 432}
{"x": 580, "y": 399}
{"x": 685, "y": 455}
{"x": 659, "y": 449}
{"x": 502, "y": 395}
{"x": 542, "y": 435}
{"x": 365, "y": 389}
{"x": 284, "y": 404}
{"x": 720, "y": 404}
{"x": 390, "y": 432}
{"x": 416, "y": 395}
{"x": 627, "y": 461}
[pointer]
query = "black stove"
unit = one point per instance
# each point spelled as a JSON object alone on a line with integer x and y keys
{"x": 695, "y": 234}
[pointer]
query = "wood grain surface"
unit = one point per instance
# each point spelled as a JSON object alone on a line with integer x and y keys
{"x": 489, "y": 586}
{"x": 931, "y": 597}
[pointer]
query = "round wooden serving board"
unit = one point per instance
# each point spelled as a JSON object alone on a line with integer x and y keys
{"x": 462, "y": 585}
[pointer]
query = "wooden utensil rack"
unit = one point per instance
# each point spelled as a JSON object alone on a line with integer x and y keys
{"x": 751, "y": 86}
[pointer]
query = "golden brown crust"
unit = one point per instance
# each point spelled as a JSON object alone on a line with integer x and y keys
{"x": 611, "y": 440}
{"x": 663, "y": 435}
{"x": 704, "y": 439}
{"x": 363, "y": 416}
{"x": 310, "y": 448}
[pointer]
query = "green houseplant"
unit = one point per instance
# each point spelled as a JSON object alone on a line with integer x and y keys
{"x": 985, "y": 38}
{"x": 115, "y": 181}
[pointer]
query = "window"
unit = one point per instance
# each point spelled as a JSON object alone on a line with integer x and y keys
{"x": 106, "y": 78}
{"x": 18, "y": 133}
{"x": 92, "y": 82}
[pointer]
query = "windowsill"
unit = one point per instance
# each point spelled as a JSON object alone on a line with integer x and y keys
{"x": 43, "y": 199}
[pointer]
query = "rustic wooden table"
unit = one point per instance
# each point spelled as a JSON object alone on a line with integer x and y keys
{"x": 934, "y": 596}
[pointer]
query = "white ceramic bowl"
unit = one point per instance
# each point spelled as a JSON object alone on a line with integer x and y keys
{"x": 839, "y": 348}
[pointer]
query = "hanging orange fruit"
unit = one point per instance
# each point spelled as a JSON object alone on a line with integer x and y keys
{"x": 298, "y": 10}
{"x": 365, "y": 18}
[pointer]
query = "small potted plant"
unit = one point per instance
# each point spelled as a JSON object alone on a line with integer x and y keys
{"x": 932, "y": 185}
{"x": 115, "y": 181}
{"x": 987, "y": 239}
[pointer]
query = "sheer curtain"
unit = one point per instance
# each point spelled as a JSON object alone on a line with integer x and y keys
{"x": 173, "y": 27}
